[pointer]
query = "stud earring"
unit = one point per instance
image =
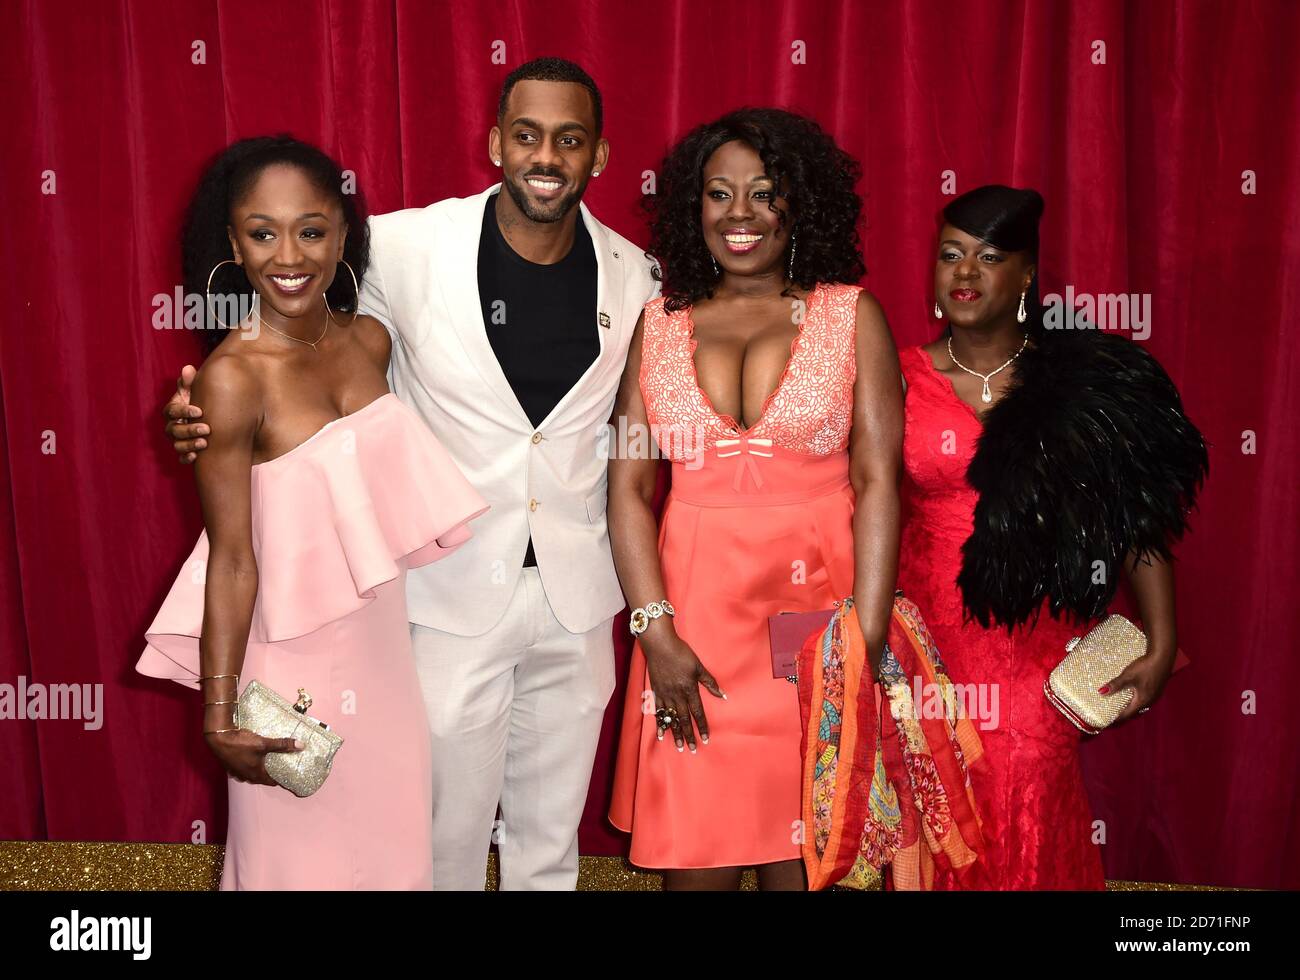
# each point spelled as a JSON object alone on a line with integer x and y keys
{"x": 1021, "y": 315}
{"x": 938, "y": 313}
{"x": 496, "y": 163}
{"x": 595, "y": 173}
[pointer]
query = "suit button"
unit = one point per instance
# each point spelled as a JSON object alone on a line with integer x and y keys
{"x": 534, "y": 504}
{"x": 537, "y": 437}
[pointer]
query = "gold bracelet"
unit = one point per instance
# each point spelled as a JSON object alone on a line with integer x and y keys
{"x": 221, "y": 731}
{"x": 213, "y": 677}
{"x": 232, "y": 701}
{"x": 640, "y": 619}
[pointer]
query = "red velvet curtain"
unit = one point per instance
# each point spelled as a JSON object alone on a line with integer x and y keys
{"x": 1163, "y": 136}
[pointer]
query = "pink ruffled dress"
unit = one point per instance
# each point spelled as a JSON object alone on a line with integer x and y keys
{"x": 337, "y": 521}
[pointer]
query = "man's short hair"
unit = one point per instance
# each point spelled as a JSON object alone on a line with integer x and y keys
{"x": 551, "y": 70}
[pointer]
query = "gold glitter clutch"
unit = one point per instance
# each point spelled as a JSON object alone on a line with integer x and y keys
{"x": 1089, "y": 663}
{"x": 262, "y": 711}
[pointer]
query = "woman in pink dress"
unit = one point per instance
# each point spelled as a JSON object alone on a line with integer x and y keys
{"x": 773, "y": 388}
{"x": 1039, "y": 465}
{"x": 319, "y": 490}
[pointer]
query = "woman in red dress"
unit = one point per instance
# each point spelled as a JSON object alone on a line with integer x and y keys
{"x": 1002, "y": 404}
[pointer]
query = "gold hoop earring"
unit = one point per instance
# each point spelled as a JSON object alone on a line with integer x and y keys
{"x": 207, "y": 292}
{"x": 356, "y": 303}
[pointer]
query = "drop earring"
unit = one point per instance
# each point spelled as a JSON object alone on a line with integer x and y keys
{"x": 1021, "y": 315}
{"x": 789, "y": 269}
{"x": 938, "y": 313}
{"x": 716, "y": 270}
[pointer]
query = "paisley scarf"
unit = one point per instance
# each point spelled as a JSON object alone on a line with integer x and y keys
{"x": 885, "y": 787}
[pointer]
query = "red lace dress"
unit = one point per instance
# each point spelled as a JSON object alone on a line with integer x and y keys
{"x": 758, "y": 522}
{"x": 1037, "y": 821}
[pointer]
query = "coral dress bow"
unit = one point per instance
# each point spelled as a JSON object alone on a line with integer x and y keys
{"x": 750, "y": 448}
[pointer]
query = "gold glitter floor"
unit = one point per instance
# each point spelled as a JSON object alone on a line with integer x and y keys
{"x": 67, "y": 866}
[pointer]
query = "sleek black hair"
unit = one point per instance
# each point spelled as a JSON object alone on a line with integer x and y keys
{"x": 552, "y": 70}
{"x": 1007, "y": 218}
{"x": 813, "y": 174}
{"x": 224, "y": 183}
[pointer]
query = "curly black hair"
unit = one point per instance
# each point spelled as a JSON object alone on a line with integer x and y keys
{"x": 225, "y": 181}
{"x": 813, "y": 174}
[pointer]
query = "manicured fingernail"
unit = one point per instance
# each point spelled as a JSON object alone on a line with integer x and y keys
{"x": 1104, "y": 689}
{"x": 724, "y": 695}
{"x": 680, "y": 747}
{"x": 704, "y": 739}
{"x": 659, "y": 738}
{"x": 693, "y": 750}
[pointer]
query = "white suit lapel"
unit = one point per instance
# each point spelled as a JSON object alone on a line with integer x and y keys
{"x": 609, "y": 308}
{"x": 454, "y": 267}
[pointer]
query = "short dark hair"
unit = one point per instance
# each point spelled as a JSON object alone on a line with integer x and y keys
{"x": 1005, "y": 217}
{"x": 551, "y": 70}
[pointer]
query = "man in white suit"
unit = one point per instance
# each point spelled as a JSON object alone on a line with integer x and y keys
{"x": 511, "y": 314}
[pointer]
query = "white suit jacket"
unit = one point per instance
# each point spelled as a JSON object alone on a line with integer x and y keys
{"x": 549, "y": 482}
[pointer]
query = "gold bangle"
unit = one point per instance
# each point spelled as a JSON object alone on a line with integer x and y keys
{"x": 232, "y": 701}
{"x": 213, "y": 677}
{"x": 221, "y": 731}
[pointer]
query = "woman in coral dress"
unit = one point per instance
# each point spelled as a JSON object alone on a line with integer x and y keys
{"x": 1033, "y": 457}
{"x": 319, "y": 490}
{"x": 774, "y": 391}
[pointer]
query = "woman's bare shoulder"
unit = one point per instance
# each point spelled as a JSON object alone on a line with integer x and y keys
{"x": 374, "y": 337}
{"x": 229, "y": 383}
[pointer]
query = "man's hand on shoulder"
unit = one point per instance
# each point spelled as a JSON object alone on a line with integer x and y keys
{"x": 182, "y": 425}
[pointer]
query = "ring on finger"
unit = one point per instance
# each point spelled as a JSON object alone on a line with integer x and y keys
{"x": 665, "y": 718}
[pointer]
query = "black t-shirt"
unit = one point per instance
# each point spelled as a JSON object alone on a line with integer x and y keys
{"x": 540, "y": 319}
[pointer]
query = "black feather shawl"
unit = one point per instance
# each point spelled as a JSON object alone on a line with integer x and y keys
{"x": 1088, "y": 457}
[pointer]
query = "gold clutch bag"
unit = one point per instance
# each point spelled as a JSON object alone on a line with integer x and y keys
{"x": 264, "y": 712}
{"x": 1089, "y": 663}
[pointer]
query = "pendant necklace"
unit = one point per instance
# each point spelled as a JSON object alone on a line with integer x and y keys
{"x": 986, "y": 395}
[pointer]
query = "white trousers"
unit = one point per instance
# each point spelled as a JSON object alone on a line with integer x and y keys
{"x": 515, "y": 716}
